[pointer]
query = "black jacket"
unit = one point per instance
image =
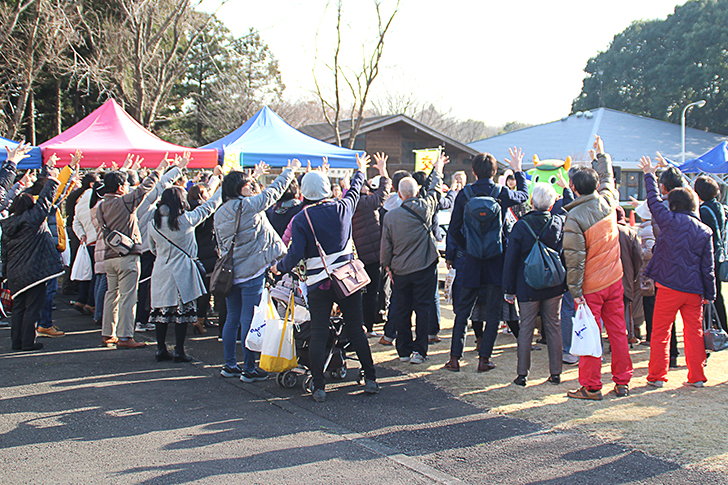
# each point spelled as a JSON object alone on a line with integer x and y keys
{"x": 520, "y": 243}
{"x": 281, "y": 213}
{"x": 29, "y": 254}
{"x": 206, "y": 244}
{"x": 366, "y": 225}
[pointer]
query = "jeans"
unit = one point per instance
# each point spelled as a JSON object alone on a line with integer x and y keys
{"x": 319, "y": 305}
{"x": 240, "y": 303}
{"x": 46, "y": 313}
{"x": 567, "y": 320}
{"x": 463, "y": 310}
{"x": 99, "y": 295}
{"x": 414, "y": 292}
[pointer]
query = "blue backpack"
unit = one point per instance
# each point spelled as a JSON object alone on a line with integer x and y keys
{"x": 543, "y": 267}
{"x": 483, "y": 224}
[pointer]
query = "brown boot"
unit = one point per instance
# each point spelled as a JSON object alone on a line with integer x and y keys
{"x": 484, "y": 364}
{"x": 477, "y": 343}
{"x": 199, "y": 327}
{"x": 452, "y": 365}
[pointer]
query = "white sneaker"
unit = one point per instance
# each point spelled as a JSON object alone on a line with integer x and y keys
{"x": 695, "y": 384}
{"x": 140, "y": 327}
{"x": 656, "y": 383}
{"x": 373, "y": 334}
{"x": 404, "y": 359}
{"x": 150, "y": 327}
{"x": 416, "y": 358}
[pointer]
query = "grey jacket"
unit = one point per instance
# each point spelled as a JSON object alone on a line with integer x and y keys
{"x": 146, "y": 208}
{"x": 175, "y": 278}
{"x": 258, "y": 245}
{"x": 407, "y": 244}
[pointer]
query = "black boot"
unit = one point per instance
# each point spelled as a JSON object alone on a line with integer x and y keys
{"x": 180, "y": 331}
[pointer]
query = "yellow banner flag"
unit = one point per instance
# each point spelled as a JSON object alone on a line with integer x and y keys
{"x": 425, "y": 159}
{"x": 231, "y": 161}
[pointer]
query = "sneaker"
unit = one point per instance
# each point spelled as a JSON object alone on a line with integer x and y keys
{"x": 319, "y": 395}
{"x": 621, "y": 390}
{"x": 256, "y": 375}
{"x": 140, "y": 327}
{"x": 50, "y": 332}
{"x": 416, "y": 358}
{"x": 374, "y": 334}
{"x": 406, "y": 358}
{"x": 696, "y": 384}
{"x": 371, "y": 387}
{"x": 656, "y": 383}
{"x": 228, "y": 371}
{"x": 569, "y": 359}
{"x": 584, "y": 393}
{"x": 150, "y": 327}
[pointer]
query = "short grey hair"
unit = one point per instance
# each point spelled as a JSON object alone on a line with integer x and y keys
{"x": 543, "y": 196}
{"x": 460, "y": 173}
{"x": 408, "y": 188}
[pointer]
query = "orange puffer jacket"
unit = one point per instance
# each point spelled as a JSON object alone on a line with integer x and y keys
{"x": 591, "y": 238}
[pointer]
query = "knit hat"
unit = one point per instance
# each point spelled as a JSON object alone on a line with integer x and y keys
{"x": 315, "y": 186}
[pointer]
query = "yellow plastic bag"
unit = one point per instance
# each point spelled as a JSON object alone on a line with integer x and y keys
{"x": 279, "y": 351}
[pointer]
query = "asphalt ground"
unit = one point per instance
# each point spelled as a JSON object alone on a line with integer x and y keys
{"x": 76, "y": 412}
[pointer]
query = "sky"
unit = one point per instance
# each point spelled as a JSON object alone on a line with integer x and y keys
{"x": 488, "y": 60}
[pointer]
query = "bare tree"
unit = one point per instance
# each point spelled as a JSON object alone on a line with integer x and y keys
{"x": 359, "y": 82}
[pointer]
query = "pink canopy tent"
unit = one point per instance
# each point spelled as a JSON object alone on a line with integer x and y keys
{"x": 110, "y": 133}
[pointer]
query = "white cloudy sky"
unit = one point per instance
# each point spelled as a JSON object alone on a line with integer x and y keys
{"x": 489, "y": 60}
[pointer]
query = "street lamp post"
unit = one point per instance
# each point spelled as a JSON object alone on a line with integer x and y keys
{"x": 699, "y": 104}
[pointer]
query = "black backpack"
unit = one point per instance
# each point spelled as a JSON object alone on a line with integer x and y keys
{"x": 483, "y": 224}
{"x": 543, "y": 267}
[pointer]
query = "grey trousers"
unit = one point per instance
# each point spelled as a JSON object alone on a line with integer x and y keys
{"x": 122, "y": 276}
{"x": 551, "y": 324}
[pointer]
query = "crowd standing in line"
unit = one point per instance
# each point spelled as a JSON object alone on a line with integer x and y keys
{"x": 154, "y": 237}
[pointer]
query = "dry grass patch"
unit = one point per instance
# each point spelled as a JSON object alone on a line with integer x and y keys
{"x": 676, "y": 422}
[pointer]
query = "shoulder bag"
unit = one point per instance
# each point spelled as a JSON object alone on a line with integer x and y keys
{"x": 346, "y": 279}
{"x": 221, "y": 278}
{"x": 118, "y": 241}
{"x": 197, "y": 261}
{"x": 715, "y": 337}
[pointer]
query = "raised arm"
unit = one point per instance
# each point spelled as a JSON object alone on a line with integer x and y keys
{"x": 273, "y": 192}
{"x": 203, "y": 211}
{"x": 660, "y": 214}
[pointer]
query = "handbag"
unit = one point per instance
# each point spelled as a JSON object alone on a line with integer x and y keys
{"x": 647, "y": 285}
{"x": 348, "y": 278}
{"x": 6, "y": 301}
{"x": 221, "y": 278}
{"x": 118, "y": 241}
{"x": 197, "y": 262}
{"x": 715, "y": 337}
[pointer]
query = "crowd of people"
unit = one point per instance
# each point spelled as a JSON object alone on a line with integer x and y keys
{"x": 154, "y": 238}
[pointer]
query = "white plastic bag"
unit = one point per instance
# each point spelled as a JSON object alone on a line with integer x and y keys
{"x": 586, "y": 337}
{"x": 82, "y": 269}
{"x": 279, "y": 351}
{"x": 262, "y": 314}
{"x": 66, "y": 253}
{"x": 449, "y": 279}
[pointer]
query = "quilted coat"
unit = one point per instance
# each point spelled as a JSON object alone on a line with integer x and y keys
{"x": 683, "y": 253}
{"x": 29, "y": 255}
{"x": 366, "y": 226}
{"x": 591, "y": 238}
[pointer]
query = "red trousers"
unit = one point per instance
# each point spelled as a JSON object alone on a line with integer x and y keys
{"x": 607, "y": 306}
{"x": 667, "y": 304}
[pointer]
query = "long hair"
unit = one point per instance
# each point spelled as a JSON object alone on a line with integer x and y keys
{"x": 176, "y": 202}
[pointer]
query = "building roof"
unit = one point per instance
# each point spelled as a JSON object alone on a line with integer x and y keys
{"x": 626, "y": 137}
{"x": 324, "y": 132}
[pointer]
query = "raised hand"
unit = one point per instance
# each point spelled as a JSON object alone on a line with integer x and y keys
{"x": 217, "y": 171}
{"x": 560, "y": 180}
{"x": 128, "y": 162}
{"x": 440, "y": 163}
{"x": 308, "y": 166}
{"x": 598, "y": 144}
{"x": 325, "y": 165}
{"x": 661, "y": 161}
{"x": 516, "y": 160}
{"x": 114, "y": 166}
{"x": 76, "y": 158}
{"x": 53, "y": 173}
{"x": 184, "y": 160}
{"x": 101, "y": 167}
{"x": 295, "y": 164}
{"x": 362, "y": 162}
{"x": 20, "y": 152}
{"x": 52, "y": 160}
{"x": 166, "y": 161}
{"x": 345, "y": 182}
{"x": 633, "y": 202}
{"x": 137, "y": 163}
{"x": 592, "y": 154}
{"x": 261, "y": 168}
{"x": 380, "y": 161}
{"x": 646, "y": 166}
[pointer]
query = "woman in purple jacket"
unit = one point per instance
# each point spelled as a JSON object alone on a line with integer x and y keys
{"x": 682, "y": 267}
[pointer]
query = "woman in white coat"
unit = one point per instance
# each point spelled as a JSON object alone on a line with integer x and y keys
{"x": 176, "y": 281}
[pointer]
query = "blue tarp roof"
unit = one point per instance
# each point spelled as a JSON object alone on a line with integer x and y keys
{"x": 714, "y": 160}
{"x": 267, "y": 137}
{"x": 35, "y": 160}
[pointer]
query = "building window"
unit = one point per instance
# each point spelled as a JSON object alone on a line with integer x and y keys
{"x": 408, "y": 155}
{"x": 632, "y": 184}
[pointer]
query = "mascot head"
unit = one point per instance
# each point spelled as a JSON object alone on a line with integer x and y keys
{"x": 546, "y": 171}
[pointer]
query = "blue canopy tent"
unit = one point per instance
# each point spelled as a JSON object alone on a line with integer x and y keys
{"x": 714, "y": 161}
{"x": 35, "y": 160}
{"x": 267, "y": 137}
